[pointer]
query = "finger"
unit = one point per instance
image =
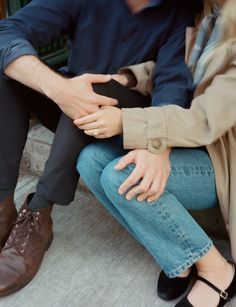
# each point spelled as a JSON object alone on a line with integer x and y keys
{"x": 132, "y": 180}
{"x": 120, "y": 78}
{"x": 104, "y": 100}
{"x": 97, "y": 78}
{"x": 124, "y": 161}
{"x": 102, "y": 136}
{"x": 94, "y": 132}
{"x": 87, "y": 119}
{"x": 153, "y": 189}
{"x": 142, "y": 187}
{"x": 91, "y": 126}
{"x": 159, "y": 192}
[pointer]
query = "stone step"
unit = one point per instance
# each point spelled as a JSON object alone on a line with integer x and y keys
{"x": 37, "y": 151}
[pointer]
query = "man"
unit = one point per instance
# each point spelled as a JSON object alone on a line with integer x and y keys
{"x": 104, "y": 35}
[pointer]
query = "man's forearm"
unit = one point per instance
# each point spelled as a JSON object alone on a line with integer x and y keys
{"x": 30, "y": 71}
{"x": 74, "y": 96}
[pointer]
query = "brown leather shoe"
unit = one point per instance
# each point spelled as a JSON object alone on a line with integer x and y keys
{"x": 8, "y": 216}
{"x": 23, "y": 252}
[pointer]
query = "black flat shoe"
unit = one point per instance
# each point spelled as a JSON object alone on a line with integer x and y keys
{"x": 171, "y": 288}
{"x": 225, "y": 295}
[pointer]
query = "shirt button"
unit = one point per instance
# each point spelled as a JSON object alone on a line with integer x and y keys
{"x": 156, "y": 144}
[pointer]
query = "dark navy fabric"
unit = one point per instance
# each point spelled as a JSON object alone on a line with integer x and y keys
{"x": 105, "y": 35}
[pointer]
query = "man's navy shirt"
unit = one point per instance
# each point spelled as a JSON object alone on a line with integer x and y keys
{"x": 105, "y": 35}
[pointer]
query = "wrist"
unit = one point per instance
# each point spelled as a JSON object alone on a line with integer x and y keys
{"x": 53, "y": 85}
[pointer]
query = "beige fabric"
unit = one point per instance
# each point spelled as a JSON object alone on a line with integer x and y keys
{"x": 210, "y": 121}
{"x": 141, "y": 75}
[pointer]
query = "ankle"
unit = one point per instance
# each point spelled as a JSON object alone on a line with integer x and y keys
{"x": 221, "y": 276}
{"x": 38, "y": 202}
{"x": 185, "y": 273}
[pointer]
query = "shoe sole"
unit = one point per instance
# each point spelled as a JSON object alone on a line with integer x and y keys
{"x": 15, "y": 289}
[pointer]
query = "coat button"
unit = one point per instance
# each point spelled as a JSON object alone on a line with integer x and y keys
{"x": 156, "y": 144}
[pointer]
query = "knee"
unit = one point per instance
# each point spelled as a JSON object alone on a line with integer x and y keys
{"x": 91, "y": 162}
{"x": 111, "y": 179}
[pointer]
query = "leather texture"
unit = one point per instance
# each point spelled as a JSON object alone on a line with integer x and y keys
{"x": 23, "y": 252}
{"x": 171, "y": 288}
{"x": 8, "y": 216}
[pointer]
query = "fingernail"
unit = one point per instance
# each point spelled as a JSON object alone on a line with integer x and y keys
{"x": 128, "y": 197}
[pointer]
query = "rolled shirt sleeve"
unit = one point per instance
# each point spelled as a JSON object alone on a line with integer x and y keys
{"x": 33, "y": 26}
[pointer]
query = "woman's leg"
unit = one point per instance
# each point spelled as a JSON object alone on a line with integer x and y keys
{"x": 165, "y": 224}
{"x": 91, "y": 163}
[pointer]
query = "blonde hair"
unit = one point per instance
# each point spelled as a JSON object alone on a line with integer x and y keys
{"x": 208, "y": 7}
{"x": 228, "y": 31}
{"x": 228, "y": 26}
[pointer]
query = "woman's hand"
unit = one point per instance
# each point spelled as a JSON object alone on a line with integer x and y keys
{"x": 102, "y": 124}
{"x": 149, "y": 177}
{"x": 122, "y": 79}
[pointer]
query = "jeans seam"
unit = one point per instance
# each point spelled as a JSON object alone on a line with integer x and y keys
{"x": 174, "y": 228}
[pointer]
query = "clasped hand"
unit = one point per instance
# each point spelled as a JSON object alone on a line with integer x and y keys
{"x": 104, "y": 123}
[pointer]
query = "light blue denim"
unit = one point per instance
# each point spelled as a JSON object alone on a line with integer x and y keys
{"x": 164, "y": 227}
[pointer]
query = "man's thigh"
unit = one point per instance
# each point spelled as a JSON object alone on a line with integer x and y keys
{"x": 20, "y": 97}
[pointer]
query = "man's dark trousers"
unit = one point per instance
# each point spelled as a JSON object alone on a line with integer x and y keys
{"x": 59, "y": 180}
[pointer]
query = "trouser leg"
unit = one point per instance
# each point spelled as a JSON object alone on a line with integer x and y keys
{"x": 165, "y": 225}
{"x": 59, "y": 180}
{"x": 14, "y": 120}
{"x": 16, "y": 104}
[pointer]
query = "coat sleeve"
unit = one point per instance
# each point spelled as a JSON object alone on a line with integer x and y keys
{"x": 141, "y": 75}
{"x": 211, "y": 115}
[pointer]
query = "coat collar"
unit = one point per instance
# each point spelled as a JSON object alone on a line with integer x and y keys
{"x": 218, "y": 64}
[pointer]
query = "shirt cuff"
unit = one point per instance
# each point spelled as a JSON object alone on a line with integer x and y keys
{"x": 15, "y": 50}
{"x": 144, "y": 129}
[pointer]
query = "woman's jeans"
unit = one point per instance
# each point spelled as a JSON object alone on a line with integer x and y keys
{"x": 164, "y": 227}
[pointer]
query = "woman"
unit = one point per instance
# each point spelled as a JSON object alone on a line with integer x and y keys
{"x": 159, "y": 220}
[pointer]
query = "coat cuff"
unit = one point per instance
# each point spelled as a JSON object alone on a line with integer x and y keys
{"x": 144, "y": 129}
{"x": 141, "y": 76}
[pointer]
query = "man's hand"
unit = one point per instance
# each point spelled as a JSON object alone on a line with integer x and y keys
{"x": 76, "y": 97}
{"x": 149, "y": 177}
{"x": 102, "y": 124}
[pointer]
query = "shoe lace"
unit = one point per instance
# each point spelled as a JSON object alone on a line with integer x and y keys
{"x": 22, "y": 228}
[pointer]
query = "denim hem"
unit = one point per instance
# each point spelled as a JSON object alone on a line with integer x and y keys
{"x": 190, "y": 262}
{"x": 5, "y": 194}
